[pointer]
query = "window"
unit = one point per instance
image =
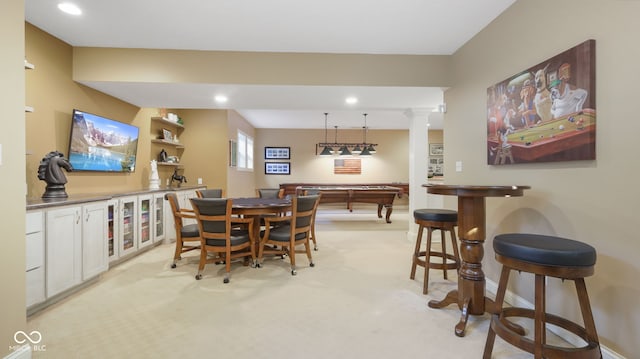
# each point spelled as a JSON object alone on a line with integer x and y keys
{"x": 245, "y": 151}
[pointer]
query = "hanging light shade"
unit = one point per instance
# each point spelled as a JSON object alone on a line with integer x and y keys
{"x": 344, "y": 151}
{"x": 367, "y": 150}
{"x": 356, "y": 150}
{"x": 327, "y": 150}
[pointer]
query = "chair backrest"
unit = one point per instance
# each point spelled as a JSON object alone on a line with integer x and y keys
{"x": 303, "y": 210}
{"x": 270, "y": 192}
{"x": 175, "y": 207}
{"x": 210, "y": 193}
{"x": 214, "y": 217}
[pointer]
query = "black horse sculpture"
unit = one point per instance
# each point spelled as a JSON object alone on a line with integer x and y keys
{"x": 50, "y": 171}
{"x": 179, "y": 178}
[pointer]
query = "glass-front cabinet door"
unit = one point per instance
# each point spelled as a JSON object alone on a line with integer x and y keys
{"x": 128, "y": 229}
{"x": 144, "y": 229}
{"x": 158, "y": 217}
{"x": 113, "y": 222}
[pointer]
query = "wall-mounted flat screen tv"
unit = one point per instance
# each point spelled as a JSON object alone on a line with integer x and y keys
{"x": 101, "y": 144}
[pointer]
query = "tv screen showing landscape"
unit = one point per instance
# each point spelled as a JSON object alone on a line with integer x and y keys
{"x": 97, "y": 143}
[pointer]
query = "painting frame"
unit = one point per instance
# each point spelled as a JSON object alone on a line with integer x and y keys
{"x": 277, "y": 168}
{"x": 277, "y": 153}
{"x": 436, "y": 149}
{"x": 167, "y": 135}
{"x": 545, "y": 113}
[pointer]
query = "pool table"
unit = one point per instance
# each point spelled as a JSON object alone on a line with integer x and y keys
{"x": 383, "y": 196}
{"x": 571, "y": 137}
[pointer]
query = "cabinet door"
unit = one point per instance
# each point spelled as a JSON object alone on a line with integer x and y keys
{"x": 113, "y": 232}
{"x": 144, "y": 221}
{"x": 64, "y": 249}
{"x": 95, "y": 255}
{"x": 158, "y": 217}
{"x": 128, "y": 225}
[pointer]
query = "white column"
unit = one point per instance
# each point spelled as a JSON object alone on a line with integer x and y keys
{"x": 418, "y": 163}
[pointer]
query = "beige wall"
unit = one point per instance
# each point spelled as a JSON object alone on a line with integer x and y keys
{"x": 144, "y": 65}
{"x": 591, "y": 201}
{"x": 240, "y": 182}
{"x": 205, "y": 152}
{"x": 54, "y": 95}
{"x": 12, "y": 213}
{"x": 390, "y": 164}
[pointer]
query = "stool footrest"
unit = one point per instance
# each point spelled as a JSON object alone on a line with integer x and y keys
{"x": 589, "y": 351}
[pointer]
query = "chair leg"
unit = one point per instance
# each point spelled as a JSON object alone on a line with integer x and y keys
{"x": 292, "y": 256}
{"x": 416, "y": 253}
{"x": 444, "y": 253}
{"x": 307, "y": 247}
{"x": 497, "y": 311}
{"x": 203, "y": 261}
{"x": 587, "y": 315}
{"x": 176, "y": 256}
{"x": 427, "y": 260}
{"x": 539, "y": 320}
{"x": 227, "y": 268}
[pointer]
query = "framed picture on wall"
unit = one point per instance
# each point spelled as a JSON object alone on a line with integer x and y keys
{"x": 277, "y": 153}
{"x": 436, "y": 149}
{"x": 277, "y": 168}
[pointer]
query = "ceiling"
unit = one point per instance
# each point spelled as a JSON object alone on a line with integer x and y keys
{"x": 416, "y": 27}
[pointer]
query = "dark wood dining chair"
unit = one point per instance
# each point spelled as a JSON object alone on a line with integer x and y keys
{"x": 210, "y": 193}
{"x": 220, "y": 236}
{"x": 283, "y": 234}
{"x": 270, "y": 192}
{"x": 187, "y": 235}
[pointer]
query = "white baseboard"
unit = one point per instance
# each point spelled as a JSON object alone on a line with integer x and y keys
{"x": 23, "y": 352}
{"x": 517, "y": 301}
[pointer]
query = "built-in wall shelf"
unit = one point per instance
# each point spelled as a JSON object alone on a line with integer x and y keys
{"x": 169, "y": 164}
{"x": 28, "y": 65}
{"x": 167, "y": 142}
{"x": 28, "y": 109}
{"x": 164, "y": 120}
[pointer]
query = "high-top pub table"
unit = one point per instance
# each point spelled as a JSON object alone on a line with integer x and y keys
{"x": 470, "y": 295}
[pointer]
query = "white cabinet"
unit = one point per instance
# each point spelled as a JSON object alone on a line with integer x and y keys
{"x": 145, "y": 203}
{"x": 35, "y": 257}
{"x": 64, "y": 249}
{"x": 76, "y": 248}
{"x": 158, "y": 217}
{"x": 128, "y": 230}
{"x": 95, "y": 255}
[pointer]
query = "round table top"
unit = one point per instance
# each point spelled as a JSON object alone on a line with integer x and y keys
{"x": 476, "y": 190}
{"x": 260, "y": 202}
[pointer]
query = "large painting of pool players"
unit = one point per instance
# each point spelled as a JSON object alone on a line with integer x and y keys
{"x": 546, "y": 113}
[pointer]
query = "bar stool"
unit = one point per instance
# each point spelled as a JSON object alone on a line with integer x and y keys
{"x": 432, "y": 219}
{"x": 543, "y": 256}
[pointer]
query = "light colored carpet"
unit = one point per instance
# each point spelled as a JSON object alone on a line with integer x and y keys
{"x": 357, "y": 302}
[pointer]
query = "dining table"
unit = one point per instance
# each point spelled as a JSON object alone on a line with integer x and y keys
{"x": 470, "y": 295}
{"x": 257, "y": 207}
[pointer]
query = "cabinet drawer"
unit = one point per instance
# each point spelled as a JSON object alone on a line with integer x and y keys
{"x": 35, "y": 250}
{"x": 35, "y": 286}
{"x": 33, "y": 222}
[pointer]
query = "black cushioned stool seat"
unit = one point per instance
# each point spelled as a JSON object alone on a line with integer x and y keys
{"x": 543, "y": 256}
{"x": 432, "y": 219}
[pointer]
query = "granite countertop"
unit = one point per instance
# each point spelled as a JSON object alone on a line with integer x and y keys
{"x": 40, "y": 203}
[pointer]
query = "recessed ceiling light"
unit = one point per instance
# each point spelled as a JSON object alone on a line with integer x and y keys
{"x": 221, "y": 98}
{"x": 351, "y": 100}
{"x": 70, "y": 8}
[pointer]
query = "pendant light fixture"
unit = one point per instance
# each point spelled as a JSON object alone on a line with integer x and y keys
{"x": 365, "y": 149}
{"x": 327, "y": 150}
{"x": 346, "y": 149}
